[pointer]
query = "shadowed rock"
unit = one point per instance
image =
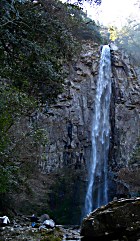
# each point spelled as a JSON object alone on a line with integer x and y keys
{"x": 119, "y": 220}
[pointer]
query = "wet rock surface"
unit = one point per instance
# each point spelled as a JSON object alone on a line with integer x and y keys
{"x": 23, "y": 231}
{"x": 117, "y": 221}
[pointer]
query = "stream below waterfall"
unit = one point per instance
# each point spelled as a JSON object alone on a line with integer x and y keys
{"x": 24, "y": 231}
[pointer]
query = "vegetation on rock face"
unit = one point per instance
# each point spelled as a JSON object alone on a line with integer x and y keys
{"x": 34, "y": 44}
{"x": 129, "y": 39}
{"x": 37, "y": 39}
{"x": 13, "y": 106}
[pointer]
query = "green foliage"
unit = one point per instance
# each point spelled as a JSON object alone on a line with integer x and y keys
{"x": 3, "y": 180}
{"x": 8, "y": 176}
{"x": 37, "y": 39}
{"x": 83, "y": 28}
{"x": 50, "y": 237}
{"x": 33, "y": 46}
{"x": 129, "y": 39}
{"x": 13, "y": 105}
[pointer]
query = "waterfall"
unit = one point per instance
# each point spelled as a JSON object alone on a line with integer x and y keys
{"x": 97, "y": 191}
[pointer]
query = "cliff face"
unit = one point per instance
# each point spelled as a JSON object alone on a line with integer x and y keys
{"x": 60, "y": 182}
{"x": 124, "y": 147}
{"x": 69, "y": 135}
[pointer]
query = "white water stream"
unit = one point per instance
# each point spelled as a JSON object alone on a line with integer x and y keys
{"x": 97, "y": 191}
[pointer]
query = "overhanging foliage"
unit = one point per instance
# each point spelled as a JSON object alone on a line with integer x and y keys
{"x": 37, "y": 39}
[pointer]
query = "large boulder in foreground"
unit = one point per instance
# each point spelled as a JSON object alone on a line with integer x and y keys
{"x": 118, "y": 220}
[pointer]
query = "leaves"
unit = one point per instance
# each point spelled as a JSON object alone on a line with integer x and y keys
{"x": 38, "y": 38}
{"x": 129, "y": 39}
{"x": 32, "y": 47}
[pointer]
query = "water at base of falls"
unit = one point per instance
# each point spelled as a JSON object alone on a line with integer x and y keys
{"x": 97, "y": 191}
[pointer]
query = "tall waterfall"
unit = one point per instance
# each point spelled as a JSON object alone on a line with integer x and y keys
{"x": 97, "y": 191}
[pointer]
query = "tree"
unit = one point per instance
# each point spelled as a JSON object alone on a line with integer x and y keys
{"x": 32, "y": 47}
{"x": 113, "y": 33}
{"x": 38, "y": 38}
{"x": 129, "y": 39}
{"x": 98, "y": 2}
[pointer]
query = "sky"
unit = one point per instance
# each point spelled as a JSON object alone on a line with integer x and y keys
{"x": 113, "y": 12}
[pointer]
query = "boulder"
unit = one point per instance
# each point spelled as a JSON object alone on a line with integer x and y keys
{"x": 119, "y": 220}
{"x": 49, "y": 223}
{"x": 44, "y": 217}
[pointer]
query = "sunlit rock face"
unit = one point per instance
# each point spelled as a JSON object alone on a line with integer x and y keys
{"x": 125, "y": 121}
{"x": 60, "y": 183}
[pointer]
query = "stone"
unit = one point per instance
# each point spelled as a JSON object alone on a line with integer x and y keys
{"x": 118, "y": 220}
{"x": 25, "y": 232}
{"x": 44, "y": 217}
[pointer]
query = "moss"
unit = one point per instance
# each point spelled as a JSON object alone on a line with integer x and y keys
{"x": 46, "y": 235}
{"x": 51, "y": 238}
{"x": 51, "y": 235}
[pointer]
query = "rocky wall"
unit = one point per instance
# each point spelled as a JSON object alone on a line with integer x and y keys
{"x": 125, "y": 125}
{"x": 60, "y": 183}
{"x": 68, "y": 124}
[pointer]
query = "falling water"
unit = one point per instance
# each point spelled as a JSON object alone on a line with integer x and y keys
{"x": 97, "y": 191}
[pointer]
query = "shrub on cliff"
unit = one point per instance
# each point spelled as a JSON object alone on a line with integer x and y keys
{"x": 34, "y": 45}
{"x": 37, "y": 39}
{"x": 129, "y": 39}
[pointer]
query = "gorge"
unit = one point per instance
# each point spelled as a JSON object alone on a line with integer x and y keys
{"x": 69, "y": 123}
{"x": 60, "y": 176}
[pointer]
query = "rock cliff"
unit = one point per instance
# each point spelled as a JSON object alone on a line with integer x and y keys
{"x": 60, "y": 182}
{"x": 125, "y": 139}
